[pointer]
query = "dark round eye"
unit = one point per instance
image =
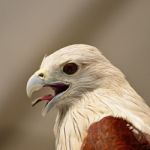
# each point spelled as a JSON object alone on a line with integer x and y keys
{"x": 70, "y": 68}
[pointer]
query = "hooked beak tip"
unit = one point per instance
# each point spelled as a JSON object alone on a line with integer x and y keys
{"x": 34, "y": 84}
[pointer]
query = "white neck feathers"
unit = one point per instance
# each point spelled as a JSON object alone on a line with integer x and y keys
{"x": 72, "y": 122}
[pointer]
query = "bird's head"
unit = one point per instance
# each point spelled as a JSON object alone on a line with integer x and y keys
{"x": 68, "y": 73}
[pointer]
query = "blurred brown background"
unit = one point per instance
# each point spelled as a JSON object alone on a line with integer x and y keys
{"x": 32, "y": 28}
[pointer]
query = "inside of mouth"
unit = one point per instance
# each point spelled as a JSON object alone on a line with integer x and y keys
{"x": 50, "y": 92}
{"x": 59, "y": 88}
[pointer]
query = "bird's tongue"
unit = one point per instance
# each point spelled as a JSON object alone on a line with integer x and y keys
{"x": 44, "y": 94}
{"x": 47, "y": 98}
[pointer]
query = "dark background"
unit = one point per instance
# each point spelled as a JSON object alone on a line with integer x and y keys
{"x": 29, "y": 29}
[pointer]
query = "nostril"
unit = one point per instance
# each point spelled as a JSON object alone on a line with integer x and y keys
{"x": 41, "y": 75}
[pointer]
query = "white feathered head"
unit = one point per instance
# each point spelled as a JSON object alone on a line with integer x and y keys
{"x": 70, "y": 72}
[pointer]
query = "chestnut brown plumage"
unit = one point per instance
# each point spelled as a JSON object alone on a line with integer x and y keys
{"x": 115, "y": 134}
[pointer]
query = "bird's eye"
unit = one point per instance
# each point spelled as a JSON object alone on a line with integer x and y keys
{"x": 70, "y": 68}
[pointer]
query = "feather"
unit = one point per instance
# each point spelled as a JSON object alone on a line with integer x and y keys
{"x": 115, "y": 134}
{"x": 94, "y": 90}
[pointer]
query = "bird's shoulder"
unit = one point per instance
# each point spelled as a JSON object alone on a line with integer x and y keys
{"x": 115, "y": 134}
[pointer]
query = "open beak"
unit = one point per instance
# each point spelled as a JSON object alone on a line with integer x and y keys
{"x": 57, "y": 90}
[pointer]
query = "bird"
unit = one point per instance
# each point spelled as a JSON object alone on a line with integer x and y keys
{"x": 97, "y": 108}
